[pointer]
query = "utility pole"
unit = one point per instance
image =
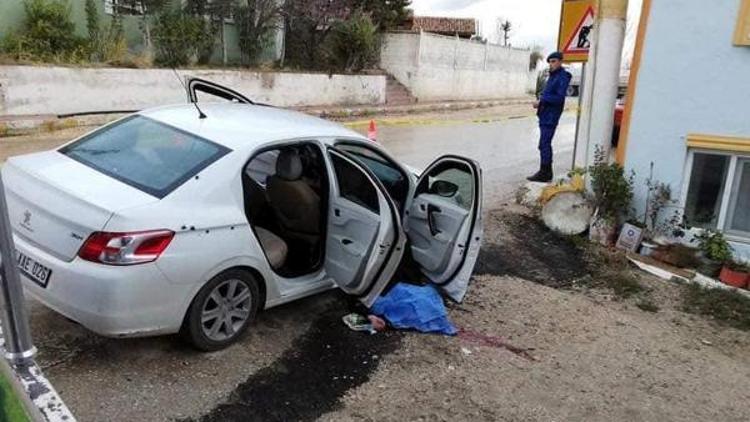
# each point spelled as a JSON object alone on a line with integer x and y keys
{"x": 603, "y": 78}
{"x": 18, "y": 347}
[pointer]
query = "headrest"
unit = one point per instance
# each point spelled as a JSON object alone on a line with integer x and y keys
{"x": 289, "y": 165}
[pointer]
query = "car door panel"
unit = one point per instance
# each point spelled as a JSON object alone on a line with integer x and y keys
{"x": 434, "y": 227}
{"x": 445, "y": 231}
{"x": 351, "y": 237}
{"x": 365, "y": 240}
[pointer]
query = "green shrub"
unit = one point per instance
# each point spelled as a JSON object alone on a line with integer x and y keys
{"x": 179, "y": 37}
{"x": 612, "y": 190}
{"x": 108, "y": 44}
{"x": 48, "y": 34}
{"x": 354, "y": 43}
{"x": 714, "y": 246}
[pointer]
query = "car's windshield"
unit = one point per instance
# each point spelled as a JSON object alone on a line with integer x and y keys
{"x": 145, "y": 154}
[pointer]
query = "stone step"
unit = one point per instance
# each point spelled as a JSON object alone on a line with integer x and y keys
{"x": 396, "y": 93}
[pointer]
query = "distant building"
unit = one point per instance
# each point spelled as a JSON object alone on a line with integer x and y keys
{"x": 464, "y": 28}
{"x": 687, "y": 112}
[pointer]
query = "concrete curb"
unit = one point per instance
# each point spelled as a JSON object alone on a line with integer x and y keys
{"x": 29, "y": 124}
{"x": 39, "y": 397}
{"x": 411, "y": 108}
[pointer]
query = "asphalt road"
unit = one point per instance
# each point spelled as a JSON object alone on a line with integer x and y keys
{"x": 505, "y": 148}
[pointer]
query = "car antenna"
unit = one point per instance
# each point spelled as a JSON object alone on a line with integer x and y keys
{"x": 201, "y": 114}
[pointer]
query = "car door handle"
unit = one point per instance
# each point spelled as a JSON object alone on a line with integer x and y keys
{"x": 431, "y": 211}
{"x": 337, "y": 212}
{"x": 346, "y": 241}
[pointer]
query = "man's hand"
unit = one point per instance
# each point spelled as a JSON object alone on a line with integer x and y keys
{"x": 536, "y": 104}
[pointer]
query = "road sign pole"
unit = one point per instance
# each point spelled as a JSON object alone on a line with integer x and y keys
{"x": 19, "y": 349}
{"x": 581, "y": 85}
{"x": 610, "y": 36}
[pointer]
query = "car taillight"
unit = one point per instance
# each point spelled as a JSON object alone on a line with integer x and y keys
{"x": 125, "y": 248}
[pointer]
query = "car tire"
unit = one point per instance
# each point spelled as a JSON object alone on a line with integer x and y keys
{"x": 215, "y": 304}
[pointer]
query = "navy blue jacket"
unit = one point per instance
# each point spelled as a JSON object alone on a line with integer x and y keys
{"x": 552, "y": 101}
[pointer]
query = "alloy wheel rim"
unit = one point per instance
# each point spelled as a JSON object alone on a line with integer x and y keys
{"x": 226, "y": 310}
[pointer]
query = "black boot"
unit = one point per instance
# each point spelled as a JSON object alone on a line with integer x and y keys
{"x": 544, "y": 174}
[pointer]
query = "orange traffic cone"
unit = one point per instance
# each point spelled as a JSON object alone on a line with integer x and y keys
{"x": 372, "y": 132}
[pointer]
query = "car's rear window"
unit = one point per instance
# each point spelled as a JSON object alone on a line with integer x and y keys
{"x": 146, "y": 154}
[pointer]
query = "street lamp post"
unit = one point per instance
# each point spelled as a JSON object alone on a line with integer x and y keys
{"x": 19, "y": 349}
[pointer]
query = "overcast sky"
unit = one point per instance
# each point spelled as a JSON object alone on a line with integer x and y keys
{"x": 535, "y": 22}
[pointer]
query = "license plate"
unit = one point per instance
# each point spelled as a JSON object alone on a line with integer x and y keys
{"x": 37, "y": 272}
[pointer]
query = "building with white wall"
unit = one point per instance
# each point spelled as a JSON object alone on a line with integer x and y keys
{"x": 688, "y": 112}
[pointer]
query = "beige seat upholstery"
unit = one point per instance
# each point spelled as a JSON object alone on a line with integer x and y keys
{"x": 295, "y": 203}
{"x": 275, "y": 248}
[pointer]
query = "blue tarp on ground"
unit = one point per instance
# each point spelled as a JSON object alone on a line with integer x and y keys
{"x": 420, "y": 308}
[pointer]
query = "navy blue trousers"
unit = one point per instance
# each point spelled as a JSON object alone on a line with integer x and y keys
{"x": 547, "y": 132}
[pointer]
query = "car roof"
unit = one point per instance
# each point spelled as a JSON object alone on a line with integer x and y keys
{"x": 243, "y": 126}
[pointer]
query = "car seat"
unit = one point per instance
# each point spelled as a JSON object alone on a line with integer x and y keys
{"x": 295, "y": 203}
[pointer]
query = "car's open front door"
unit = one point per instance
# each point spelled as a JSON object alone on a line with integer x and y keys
{"x": 365, "y": 240}
{"x": 444, "y": 223}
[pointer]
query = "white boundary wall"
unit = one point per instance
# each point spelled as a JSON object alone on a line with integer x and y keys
{"x": 29, "y": 90}
{"x": 435, "y": 67}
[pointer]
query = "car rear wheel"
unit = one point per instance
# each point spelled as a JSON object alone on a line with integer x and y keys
{"x": 222, "y": 310}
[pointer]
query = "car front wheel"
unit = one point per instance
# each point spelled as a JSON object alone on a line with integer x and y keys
{"x": 222, "y": 310}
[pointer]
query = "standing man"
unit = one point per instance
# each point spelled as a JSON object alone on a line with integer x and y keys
{"x": 549, "y": 109}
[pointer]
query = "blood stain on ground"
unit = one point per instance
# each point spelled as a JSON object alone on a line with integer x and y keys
{"x": 309, "y": 379}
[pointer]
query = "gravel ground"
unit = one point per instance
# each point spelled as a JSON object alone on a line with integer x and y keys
{"x": 527, "y": 352}
{"x": 595, "y": 360}
{"x": 593, "y": 357}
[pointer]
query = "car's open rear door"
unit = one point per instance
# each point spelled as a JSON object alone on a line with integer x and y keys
{"x": 444, "y": 223}
{"x": 365, "y": 240}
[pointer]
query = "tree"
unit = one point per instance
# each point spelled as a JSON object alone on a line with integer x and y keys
{"x": 214, "y": 13}
{"x": 256, "y": 23}
{"x": 147, "y": 9}
{"x": 504, "y": 27}
{"x": 178, "y": 37}
{"x": 535, "y": 57}
{"x": 92, "y": 21}
{"x": 308, "y": 23}
{"x": 354, "y": 43}
{"x": 386, "y": 14}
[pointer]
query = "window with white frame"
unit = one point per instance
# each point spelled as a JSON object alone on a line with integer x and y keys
{"x": 123, "y": 7}
{"x": 718, "y": 192}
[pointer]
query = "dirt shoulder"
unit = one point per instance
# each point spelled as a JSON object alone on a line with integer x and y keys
{"x": 595, "y": 356}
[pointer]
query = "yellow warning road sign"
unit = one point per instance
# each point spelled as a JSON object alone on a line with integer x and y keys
{"x": 576, "y": 24}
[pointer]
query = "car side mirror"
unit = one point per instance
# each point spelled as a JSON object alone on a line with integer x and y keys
{"x": 443, "y": 188}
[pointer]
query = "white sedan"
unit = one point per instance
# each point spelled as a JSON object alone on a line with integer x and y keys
{"x": 177, "y": 219}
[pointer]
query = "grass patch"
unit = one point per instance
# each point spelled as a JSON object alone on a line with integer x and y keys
{"x": 11, "y": 409}
{"x": 725, "y": 306}
{"x": 610, "y": 270}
